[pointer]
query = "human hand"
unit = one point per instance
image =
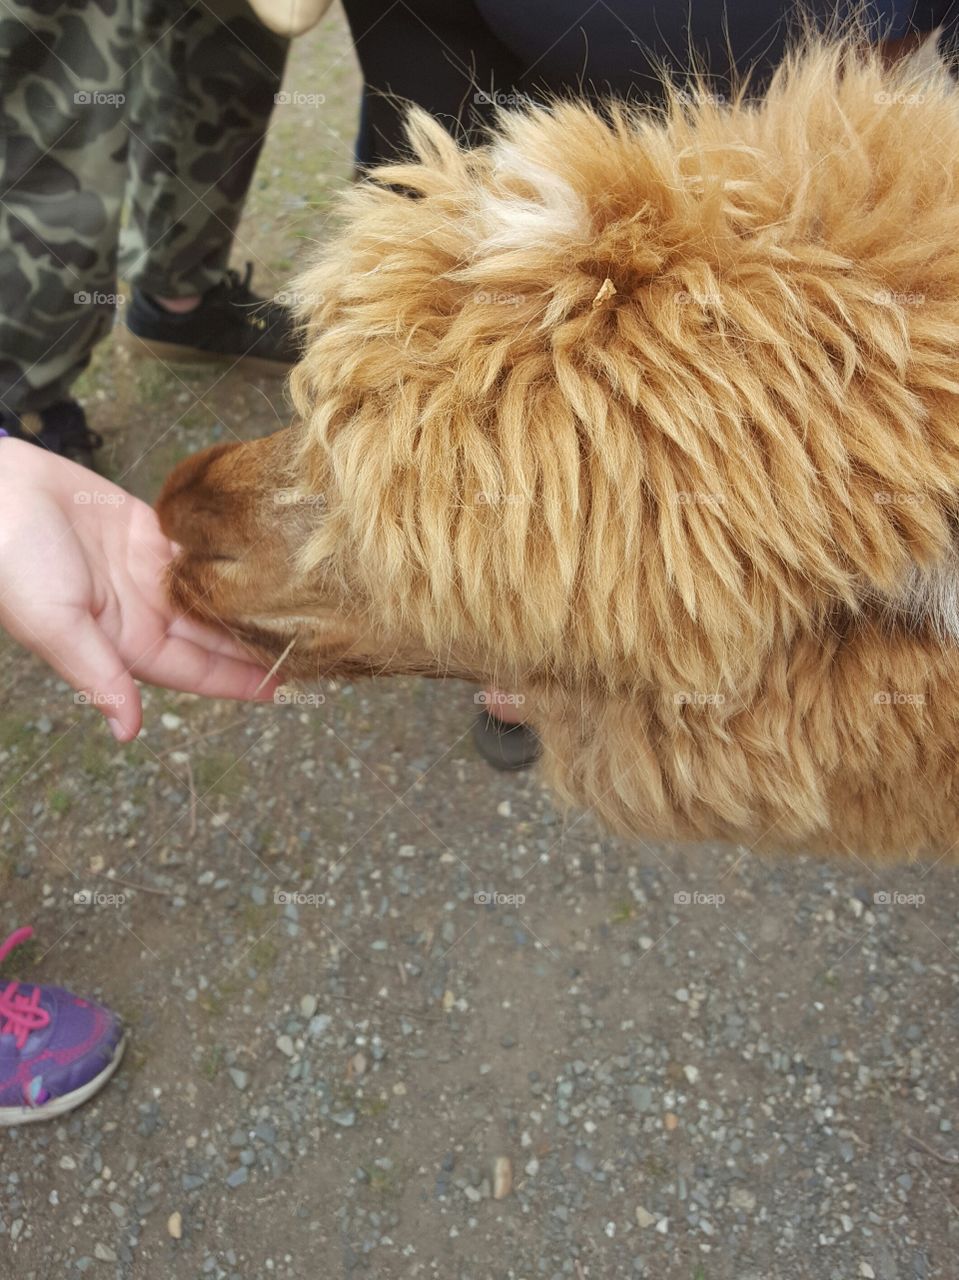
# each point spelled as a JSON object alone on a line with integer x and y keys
{"x": 82, "y": 584}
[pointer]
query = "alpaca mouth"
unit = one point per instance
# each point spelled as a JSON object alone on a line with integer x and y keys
{"x": 269, "y": 636}
{"x": 293, "y": 648}
{"x": 275, "y": 668}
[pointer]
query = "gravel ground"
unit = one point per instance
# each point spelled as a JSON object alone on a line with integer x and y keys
{"x": 394, "y": 1015}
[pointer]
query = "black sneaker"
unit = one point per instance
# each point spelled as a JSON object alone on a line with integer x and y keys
{"x": 231, "y": 323}
{"x": 61, "y": 428}
{"x": 505, "y": 746}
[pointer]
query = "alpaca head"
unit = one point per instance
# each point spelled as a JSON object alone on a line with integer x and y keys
{"x": 618, "y": 402}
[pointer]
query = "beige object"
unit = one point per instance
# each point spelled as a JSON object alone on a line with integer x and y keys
{"x": 502, "y": 1177}
{"x": 289, "y": 17}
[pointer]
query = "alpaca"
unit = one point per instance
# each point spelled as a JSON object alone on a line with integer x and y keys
{"x": 654, "y": 419}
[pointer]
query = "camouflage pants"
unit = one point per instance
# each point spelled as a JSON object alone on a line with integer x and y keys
{"x": 160, "y": 103}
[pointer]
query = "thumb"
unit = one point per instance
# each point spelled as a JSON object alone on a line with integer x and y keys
{"x": 88, "y": 661}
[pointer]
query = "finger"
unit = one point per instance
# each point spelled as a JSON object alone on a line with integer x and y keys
{"x": 190, "y": 668}
{"x": 225, "y": 642}
{"x": 89, "y": 663}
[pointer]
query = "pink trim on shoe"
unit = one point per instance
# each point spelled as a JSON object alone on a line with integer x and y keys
{"x": 19, "y": 935}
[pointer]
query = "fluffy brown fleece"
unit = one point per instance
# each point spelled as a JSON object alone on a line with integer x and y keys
{"x": 654, "y": 419}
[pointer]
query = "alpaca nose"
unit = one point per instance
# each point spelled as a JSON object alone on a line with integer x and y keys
{"x": 195, "y": 508}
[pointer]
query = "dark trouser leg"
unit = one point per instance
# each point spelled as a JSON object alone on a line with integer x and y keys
{"x": 439, "y": 54}
{"x": 201, "y": 103}
{"x": 62, "y": 173}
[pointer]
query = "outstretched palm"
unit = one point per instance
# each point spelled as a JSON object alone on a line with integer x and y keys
{"x": 82, "y": 567}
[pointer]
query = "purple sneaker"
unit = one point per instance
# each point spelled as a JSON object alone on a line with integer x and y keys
{"x": 56, "y": 1049}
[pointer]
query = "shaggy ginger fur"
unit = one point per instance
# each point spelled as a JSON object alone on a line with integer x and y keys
{"x": 655, "y": 421}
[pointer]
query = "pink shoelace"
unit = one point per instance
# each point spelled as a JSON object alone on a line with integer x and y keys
{"x": 19, "y": 1013}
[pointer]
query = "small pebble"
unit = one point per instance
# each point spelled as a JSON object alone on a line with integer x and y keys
{"x": 502, "y": 1177}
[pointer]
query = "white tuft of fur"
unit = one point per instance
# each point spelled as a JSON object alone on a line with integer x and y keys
{"x": 930, "y": 597}
{"x": 530, "y": 205}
